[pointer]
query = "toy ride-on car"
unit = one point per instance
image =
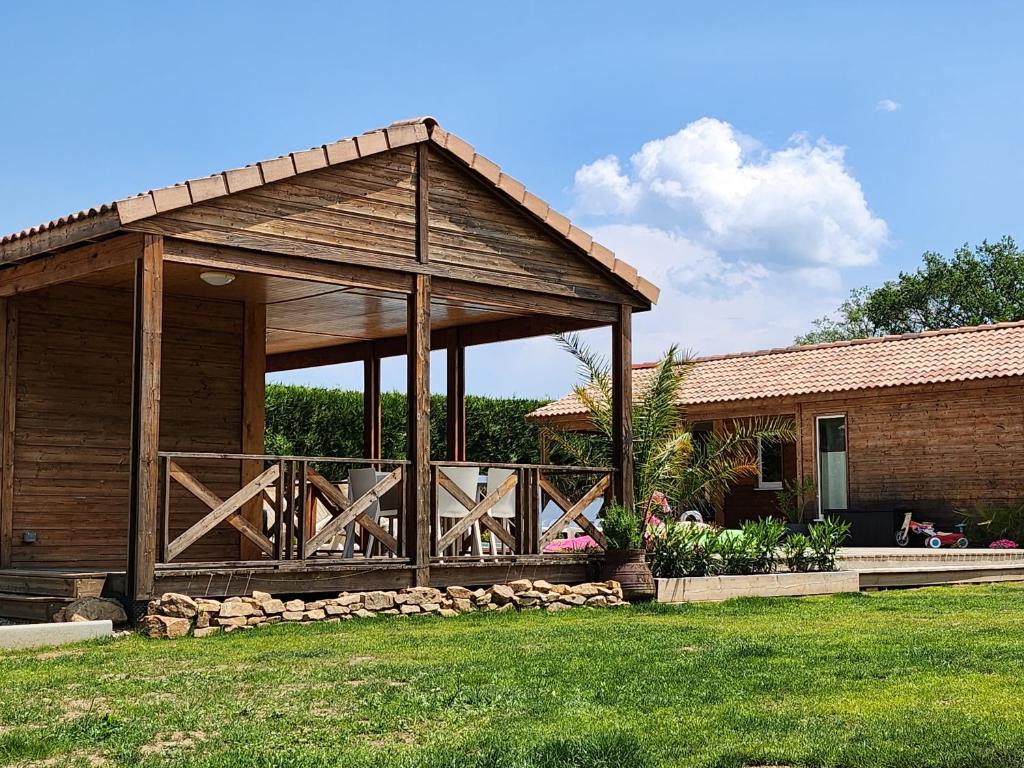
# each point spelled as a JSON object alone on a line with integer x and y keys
{"x": 932, "y": 539}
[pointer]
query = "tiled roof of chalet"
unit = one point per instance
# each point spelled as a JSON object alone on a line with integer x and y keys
{"x": 958, "y": 354}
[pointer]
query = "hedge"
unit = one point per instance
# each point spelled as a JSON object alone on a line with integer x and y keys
{"x": 316, "y": 421}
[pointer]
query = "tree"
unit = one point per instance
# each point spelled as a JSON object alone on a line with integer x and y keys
{"x": 667, "y": 458}
{"x": 974, "y": 287}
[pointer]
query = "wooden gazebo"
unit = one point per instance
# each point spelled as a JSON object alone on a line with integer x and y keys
{"x": 138, "y": 335}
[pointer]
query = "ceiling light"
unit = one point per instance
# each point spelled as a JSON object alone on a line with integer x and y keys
{"x": 217, "y": 278}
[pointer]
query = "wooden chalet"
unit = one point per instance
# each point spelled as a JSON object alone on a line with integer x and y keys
{"x": 137, "y": 336}
{"x": 929, "y": 422}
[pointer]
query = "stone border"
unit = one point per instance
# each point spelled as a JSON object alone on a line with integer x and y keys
{"x": 17, "y": 636}
{"x": 175, "y": 615}
{"x": 698, "y": 589}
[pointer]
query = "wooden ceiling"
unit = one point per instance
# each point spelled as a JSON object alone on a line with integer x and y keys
{"x": 302, "y": 314}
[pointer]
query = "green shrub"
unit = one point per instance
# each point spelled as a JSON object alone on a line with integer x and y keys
{"x": 988, "y": 522}
{"x": 621, "y": 527}
{"x": 796, "y": 550}
{"x": 825, "y": 539}
{"x": 795, "y": 497}
{"x": 684, "y": 550}
{"x": 317, "y": 421}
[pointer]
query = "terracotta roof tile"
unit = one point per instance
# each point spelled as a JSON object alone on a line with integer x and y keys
{"x": 959, "y": 354}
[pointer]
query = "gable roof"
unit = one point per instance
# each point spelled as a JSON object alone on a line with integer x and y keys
{"x": 110, "y": 217}
{"x": 931, "y": 357}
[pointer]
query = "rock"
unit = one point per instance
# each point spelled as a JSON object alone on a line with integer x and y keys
{"x": 573, "y": 599}
{"x": 555, "y": 607}
{"x": 447, "y": 613}
{"x": 255, "y": 621}
{"x": 378, "y": 601}
{"x": 389, "y": 612}
{"x": 169, "y": 627}
{"x": 483, "y": 600}
{"x": 233, "y": 607}
{"x": 346, "y": 599}
{"x": 598, "y": 601}
{"x": 431, "y": 607}
{"x": 501, "y": 594}
{"x": 421, "y": 595}
{"x": 295, "y": 606}
{"x": 176, "y": 605}
{"x": 317, "y": 614}
{"x": 206, "y": 605}
{"x": 542, "y": 586}
{"x": 203, "y": 620}
{"x": 480, "y": 592}
{"x": 315, "y": 605}
{"x": 292, "y": 615}
{"x": 462, "y": 605}
{"x": 561, "y": 589}
{"x": 95, "y": 609}
{"x": 231, "y": 621}
{"x": 407, "y": 610}
{"x": 603, "y": 590}
{"x": 520, "y": 585}
{"x": 273, "y": 620}
{"x": 337, "y": 610}
{"x": 551, "y": 597}
{"x": 587, "y": 590}
{"x": 362, "y": 613}
{"x": 460, "y": 593}
{"x": 503, "y": 608}
{"x": 206, "y": 631}
{"x": 272, "y": 607}
{"x": 261, "y": 597}
{"x": 615, "y": 587}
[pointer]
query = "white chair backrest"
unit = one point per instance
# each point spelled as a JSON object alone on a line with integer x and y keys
{"x": 467, "y": 479}
{"x": 506, "y": 506}
{"x": 360, "y": 481}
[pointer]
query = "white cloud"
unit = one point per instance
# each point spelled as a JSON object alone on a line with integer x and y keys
{"x": 747, "y": 243}
{"x": 887, "y": 105}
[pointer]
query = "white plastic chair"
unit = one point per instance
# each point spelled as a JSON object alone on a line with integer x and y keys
{"x": 360, "y": 481}
{"x": 505, "y": 509}
{"x": 467, "y": 480}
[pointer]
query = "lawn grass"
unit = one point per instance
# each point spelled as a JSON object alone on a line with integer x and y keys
{"x": 914, "y": 678}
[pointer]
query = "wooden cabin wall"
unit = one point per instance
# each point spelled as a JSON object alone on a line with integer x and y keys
{"x": 929, "y": 447}
{"x": 72, "y": 419}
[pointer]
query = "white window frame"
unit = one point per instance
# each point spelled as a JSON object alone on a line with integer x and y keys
{"x": 774, "y": 485}
{"x": 817, "y": 455}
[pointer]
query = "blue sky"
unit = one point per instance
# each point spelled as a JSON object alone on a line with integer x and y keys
{"x": 774, "y": 180}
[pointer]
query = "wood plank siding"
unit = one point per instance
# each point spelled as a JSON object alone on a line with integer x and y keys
{"x": 73, "y": 418}
{"x": 931, "y": 447}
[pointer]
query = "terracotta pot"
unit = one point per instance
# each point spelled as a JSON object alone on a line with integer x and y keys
{"x": 629, "y": 568}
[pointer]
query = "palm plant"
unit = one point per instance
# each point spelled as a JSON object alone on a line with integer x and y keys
{"x": 666, "y": 456}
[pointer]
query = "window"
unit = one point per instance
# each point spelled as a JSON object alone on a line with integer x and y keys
{"x": 831, "y": 463}
{"x": 769, "y": 465}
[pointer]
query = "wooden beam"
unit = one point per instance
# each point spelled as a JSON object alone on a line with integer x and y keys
{"x": 61, "y": 236}
{"x": 422, "y": 202}
{"x": 70, "y": 265}
{"x": 145, "y": 426}
{"x": 622, "y": 405}
{"x": 393, "y": 346}
{"x": 417, "y": 485}
{"x": 456, "y": 405}
{"x": 8, "y": 392}
{"x": 372, "y": 448}
{"x": 254, "y": 367}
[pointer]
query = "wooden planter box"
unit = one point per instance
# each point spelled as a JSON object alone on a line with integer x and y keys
{"x": 714, "y": 588}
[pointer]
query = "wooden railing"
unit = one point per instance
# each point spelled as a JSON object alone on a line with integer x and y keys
{"x": 286, "y": 498}
{"x": 458, "y": 531}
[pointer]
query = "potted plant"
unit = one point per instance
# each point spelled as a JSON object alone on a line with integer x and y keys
{"x": 625, "y": 559}
{"x": 793, "y": 500}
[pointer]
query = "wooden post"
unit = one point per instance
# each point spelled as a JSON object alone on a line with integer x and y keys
{"x": 422, "y": 201}
{"x": 622, "y": 405}
{"x": 254, "y": 368}
{"x": 8, "y": 392}
{"x": 144, "y": 476}
{"x": 372, "y": 448}
{"x": 456, "y": 415}
{"x": 417, "y": 484}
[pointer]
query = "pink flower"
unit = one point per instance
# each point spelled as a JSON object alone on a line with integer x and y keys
{"x": 1003, "y": 544}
